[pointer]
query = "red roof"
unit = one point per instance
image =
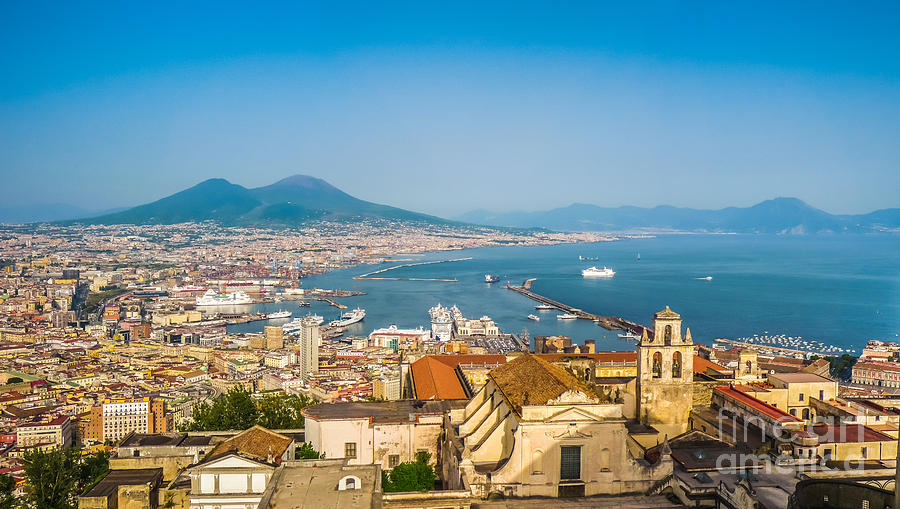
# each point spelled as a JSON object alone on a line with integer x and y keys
{"x": 434, "y": 376}
{"x": 848, "y": 433}
{"x": 758, "y": 405}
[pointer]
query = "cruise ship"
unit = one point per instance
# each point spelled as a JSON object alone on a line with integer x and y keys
{"x": 595, "y": 272}
{"x": 213, "y": 298}
{"x": 349, "y": 318}
{"x": 297, "y": 323}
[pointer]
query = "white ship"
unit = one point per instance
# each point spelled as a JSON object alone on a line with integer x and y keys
{"x": 544, "y": 307}
{"x": 279, "y": 314}
{"x": 629, "y": 335}
{"x": 566, "y": 316}
{"x": 595, "y": 272}
{"x": 349, "y": 318}
{"x": 536, "y": 318}
{"x": 491, "y": 279}
{"x": 297, "y": 323}
{"x": 213, "y": 298}
{"x": 588, "y": 258}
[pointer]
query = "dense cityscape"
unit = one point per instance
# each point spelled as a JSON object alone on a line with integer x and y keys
{"x": 114, "y": 343}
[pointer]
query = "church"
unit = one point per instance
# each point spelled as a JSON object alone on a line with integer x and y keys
{"x": 556, "y": 429}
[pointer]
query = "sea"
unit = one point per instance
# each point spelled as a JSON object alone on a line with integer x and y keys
{"x": 841, "y": 290}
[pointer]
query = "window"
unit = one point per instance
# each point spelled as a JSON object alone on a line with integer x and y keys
{"x": 827, "y": 454}
{"x": 570, "y": 462}
{"x": 350, "y": 484}
{"x": 393, "y": 460}
{"x": 657, "y": 365}
{"x": 801, "y": 396}
{"x": 668, "y": 334}
{"x": 806, "y": 413}
{"x": 794, "y": 412}
{"x": 350, "y": 450}
{"x": 822, "y": 395}
{"x": 676, "y": 365}
{"x": 863, "y": 452}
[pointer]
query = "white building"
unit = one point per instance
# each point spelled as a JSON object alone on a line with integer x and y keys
{"x": 385, "y": 433}
{"x": 309, "y": 347}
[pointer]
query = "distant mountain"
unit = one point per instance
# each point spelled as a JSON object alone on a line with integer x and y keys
{"x": 290, "y": 201}
{"x": 780, "y": 215}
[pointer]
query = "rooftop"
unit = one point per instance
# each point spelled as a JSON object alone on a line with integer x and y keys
{"x": 800, "y": 378}
{"x": 257, "y": 442}
{"x": 127, "y": 477}
{"x": 382, "y": 411}
{"x": 530, "y": 380}
{"x": 314, "y": 483}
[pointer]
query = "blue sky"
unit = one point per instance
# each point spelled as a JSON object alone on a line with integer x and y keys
{"x": 448, "y": 107}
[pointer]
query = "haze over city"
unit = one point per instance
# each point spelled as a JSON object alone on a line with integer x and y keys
{"x": 506, "y": 107}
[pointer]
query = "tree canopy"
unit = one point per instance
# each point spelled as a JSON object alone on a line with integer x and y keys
{"x": 237, "y": 410}
{"x": 411, "y": 476}
{"x": 54, "y": 478}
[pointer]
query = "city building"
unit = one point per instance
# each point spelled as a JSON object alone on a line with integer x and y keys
{"x": 309, "y": 347}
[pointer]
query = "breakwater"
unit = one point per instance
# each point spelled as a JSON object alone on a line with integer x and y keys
{"x": 371, "y": 275}
{"x": 607, "y": 322}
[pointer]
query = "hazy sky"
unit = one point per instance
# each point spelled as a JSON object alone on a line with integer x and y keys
{"x": 447, "y": 107}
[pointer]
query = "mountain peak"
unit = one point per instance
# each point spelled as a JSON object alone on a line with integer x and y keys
{"x": 303, "y": 181}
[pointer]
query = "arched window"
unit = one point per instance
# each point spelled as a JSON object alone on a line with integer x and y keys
{"x": 676, "y": 365}
{"x": 350, "y": 482}
{"x": 806, "y": 413}
{"x": 657, "y": 365}
{"x": 749, "y": 367}
{"x": 668, "y": 334}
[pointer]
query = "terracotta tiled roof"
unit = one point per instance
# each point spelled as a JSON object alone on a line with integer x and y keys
{"x": 757, "y": 405}
{"x": 434, "y": 376}
{"x": 701, "y": 365}
{"x": 257, "y": 442}
{"x": 530, "y": 380}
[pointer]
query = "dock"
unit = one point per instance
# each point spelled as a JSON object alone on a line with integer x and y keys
{"x": 774, "y": 349}
{"x": 369, "y": 275}
{"x": 607, "y": 322}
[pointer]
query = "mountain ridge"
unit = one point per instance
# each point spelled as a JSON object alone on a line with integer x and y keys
{"x": 782, "y": 215}
{"x": 290, "y": 201}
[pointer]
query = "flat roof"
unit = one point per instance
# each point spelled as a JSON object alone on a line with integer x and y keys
{"x": 382, "y": 411}
{"x": 127, "y": 477}
{"x": 144, "y": 440}
{"x": 314, "y": 483}
{"x": 800, "y": 378}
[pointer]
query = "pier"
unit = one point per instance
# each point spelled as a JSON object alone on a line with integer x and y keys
{"x": 774, "y": 349}
{"x": 607, "y": 322}
{"x": 369, "y": 275}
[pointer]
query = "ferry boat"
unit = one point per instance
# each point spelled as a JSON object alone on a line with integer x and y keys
{"x": 279, "y": 314}
{"x": 588, "y": 258}
{"x": 349, "y": 318}
{"x": 213, "y": 298}
{"x": 491, "y": 279}
{"x": 705, "y": 278}
{"x": 544, "y": 307}
{"x": 566, "y": 316}
{"x": 629, "y": 335}
{"x": 536, "y": 318}
{"x": 595, "y": 272}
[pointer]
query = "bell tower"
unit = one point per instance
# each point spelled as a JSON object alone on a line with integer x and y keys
{"x": 665, "y": 368}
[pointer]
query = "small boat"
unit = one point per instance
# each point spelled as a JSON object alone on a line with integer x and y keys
{"x": 536, "y": 318}
{"x": 588, "y": 258}
{"x": 566, "y": 316}
{"x": 304, "y": 304}
{"x": 544, "y": 307}
{"x": 491, "y": 279}
{"x": 707, "y": 278}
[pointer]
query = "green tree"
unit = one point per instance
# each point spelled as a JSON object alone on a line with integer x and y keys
{"x": 92, "y": 469}
{"x": 234, "y": 410}
{"x": 411, "y": 476}
{"x": 237, "y": 410}
{"x": 7, "y": 486}
{"x": 306, "y": 452}
{"x": 51, "y": 478}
